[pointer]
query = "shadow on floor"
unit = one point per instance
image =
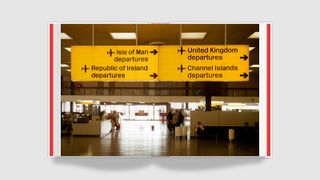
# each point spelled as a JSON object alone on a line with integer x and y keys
{"x": 171, "y": 163}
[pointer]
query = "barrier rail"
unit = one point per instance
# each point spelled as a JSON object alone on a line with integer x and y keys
{"x": 159, "y": 91}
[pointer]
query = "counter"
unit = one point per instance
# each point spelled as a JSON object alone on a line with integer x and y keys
{"x": 93, "y": 127}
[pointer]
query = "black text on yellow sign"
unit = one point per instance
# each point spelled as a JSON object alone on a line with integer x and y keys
{"x": 164, "y": 63}
{"x": 204, "y": 63}
{"x": 114, "y": 63}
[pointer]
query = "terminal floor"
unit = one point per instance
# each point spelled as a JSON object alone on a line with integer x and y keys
{"x": 136, "y": 138}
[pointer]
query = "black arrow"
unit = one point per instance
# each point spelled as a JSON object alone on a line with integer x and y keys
{"x": 244, "y": 75}
{"x": 154, "y": 75}
{"x": 154, "y": 52}
{"x": 244, "y": 57}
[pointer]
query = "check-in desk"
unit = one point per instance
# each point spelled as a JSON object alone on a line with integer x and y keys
{"x": 224, "y": 120}
{"x": 94, "y": 127}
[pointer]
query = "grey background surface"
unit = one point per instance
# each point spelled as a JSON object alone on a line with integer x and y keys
{"x": 24, "y": 95}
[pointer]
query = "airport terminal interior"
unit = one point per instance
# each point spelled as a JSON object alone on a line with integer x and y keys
{"x": 119, "y": 118}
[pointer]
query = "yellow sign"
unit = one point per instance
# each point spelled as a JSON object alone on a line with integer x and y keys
{"x": 160, "y": 63}
{"x": 114, "y": 63}
{"x": 204, "y": 63}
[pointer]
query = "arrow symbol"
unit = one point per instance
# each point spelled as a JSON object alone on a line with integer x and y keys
{"x": 244, "y": 57}
{"x": 244, "y": 75}
{"x": 154, "y": 75}
{"x": 154, "y": 52}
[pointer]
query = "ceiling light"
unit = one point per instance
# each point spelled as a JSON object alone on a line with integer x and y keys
{"x": 251, "y": 48}
{"x": 64, "y": 65}
{"x": 84, "y": 101}
{"x": 193, "y": 35}
{"x": 217, "y": 102}
{"x": 69, "y": 70}
{"x": 68, "y": 49}
{"x": 250, "y": 70}
{"x": 87, "y": 102}
{"x": 123, "y": 35}
{"x": 157, "y": 43}
{"x": 255, "y": 35}
{"x": 65, "y": 36}
{"x": 236, "y": 104}
{"x": 254, "y": 66}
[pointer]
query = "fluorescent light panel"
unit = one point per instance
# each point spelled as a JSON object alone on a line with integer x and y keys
{"x": 193, "y": 35}
{"x": 255, "y": 35}
{"x": 217, "y": 102}
{"x": 236, "y": 104}
{"x": 254, "y": 66}
{"x": 87, "y": 102}
{"x": 64, "y": 65}
{"x": 68, "y": 49}
{"x": 65, "y": 36}
{"x": 123, "y": 35}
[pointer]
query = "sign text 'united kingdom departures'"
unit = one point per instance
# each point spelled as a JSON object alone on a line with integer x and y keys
{"x": 204, "y": 63}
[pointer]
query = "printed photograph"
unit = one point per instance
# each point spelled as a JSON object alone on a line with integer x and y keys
{"x": 159, "y": 90}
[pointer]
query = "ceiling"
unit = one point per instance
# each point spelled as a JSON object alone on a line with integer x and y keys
{"x": 99, "y": 34}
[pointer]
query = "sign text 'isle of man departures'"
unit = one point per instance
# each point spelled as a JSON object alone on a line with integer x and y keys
{"x": 114, "y": 63}
{"x": 204, "y": 63}
{"x": 160, "y": 63}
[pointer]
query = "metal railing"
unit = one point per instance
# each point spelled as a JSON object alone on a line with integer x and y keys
{"x": 160, "y": 91}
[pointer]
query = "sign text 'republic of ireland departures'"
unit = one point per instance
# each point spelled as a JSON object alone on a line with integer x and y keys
{"x": 160, "y": 63}
{"x": 114, "y": 63}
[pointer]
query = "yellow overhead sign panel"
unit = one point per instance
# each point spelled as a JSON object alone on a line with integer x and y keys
{"x": 160, "y": 63}
{"x": 204, "y": 63}
{"x": 114, "y": 63}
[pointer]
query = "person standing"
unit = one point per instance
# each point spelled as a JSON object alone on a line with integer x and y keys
{"x": 114, "y": 117}
{"x": 180, "y": 118}
{"x": 169, "y": 119}
{"x": 116, "y": 120}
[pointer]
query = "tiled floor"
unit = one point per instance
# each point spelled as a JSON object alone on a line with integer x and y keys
{"x": 136, "y": 138}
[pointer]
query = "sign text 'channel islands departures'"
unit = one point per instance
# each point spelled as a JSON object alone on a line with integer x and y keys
{"x": 204, "y": 63}
{"x": 114, "y": 63}
{"x": 164, "y": 63}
